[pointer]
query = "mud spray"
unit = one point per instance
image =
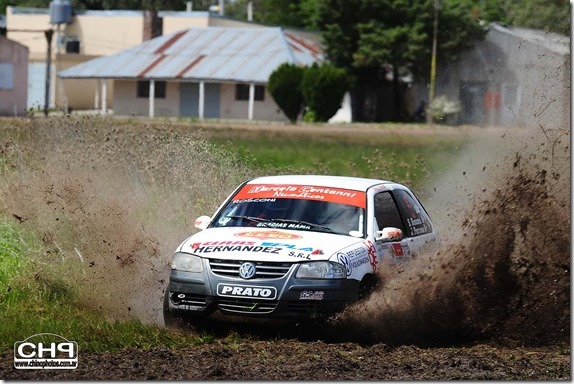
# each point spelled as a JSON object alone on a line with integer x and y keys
{"x": 111, "y": 199}
{"x": 503, "y": 271}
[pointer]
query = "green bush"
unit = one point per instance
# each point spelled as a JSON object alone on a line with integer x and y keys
{"x": 323, "y": 90}
{"x": 285, "y": 88}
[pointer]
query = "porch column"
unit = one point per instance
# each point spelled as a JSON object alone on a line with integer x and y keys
{"x": 251, "y": 98}
{"x": 151, "y": 97}
{"x": 201, "y": 99}
{"x": 105, "y": 96}
{"x": 97, "y": 95}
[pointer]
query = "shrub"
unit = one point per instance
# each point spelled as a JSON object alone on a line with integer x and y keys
{"x": 285, "y": 88}
{"x": 323, "y": 89}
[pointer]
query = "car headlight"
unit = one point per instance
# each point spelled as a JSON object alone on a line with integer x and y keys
{"x": 321, "y": 270}
{"x": 186, "y": 262}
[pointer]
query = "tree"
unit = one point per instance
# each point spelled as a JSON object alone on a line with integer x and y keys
{"x": 323, "y": 89}
{"x": 285, "y": 88}
{"x": 269, "y": 12}
{"x": 546, "y": 15}
{"x": 377, "y": 39}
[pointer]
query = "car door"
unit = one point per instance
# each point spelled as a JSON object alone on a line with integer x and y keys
{"x": 387, "y": 214}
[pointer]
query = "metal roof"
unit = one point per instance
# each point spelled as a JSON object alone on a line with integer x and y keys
{"x": 213, "y": 53}
{"x": 551, "y": 41}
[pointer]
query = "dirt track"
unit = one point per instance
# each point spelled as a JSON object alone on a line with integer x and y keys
{"x": 493, "y": 304}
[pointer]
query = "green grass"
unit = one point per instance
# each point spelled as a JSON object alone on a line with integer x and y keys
{"x": 410, "y": 163}
{"x": 35, "y": 299}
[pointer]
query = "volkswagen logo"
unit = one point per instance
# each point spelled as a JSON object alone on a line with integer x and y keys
{"x": 247, "y": 270}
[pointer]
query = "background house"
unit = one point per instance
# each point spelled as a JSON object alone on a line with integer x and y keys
{"x": 13, "y": 77}
{"x": 209, "y": 72}
{"x": 515, "y": 76}
{"x": 81, "y": 36}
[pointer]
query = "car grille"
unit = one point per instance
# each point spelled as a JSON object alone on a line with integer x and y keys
{"x": 265, "y": 270}
{"x": 246, "y": 305}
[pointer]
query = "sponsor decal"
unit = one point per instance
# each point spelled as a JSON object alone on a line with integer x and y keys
{"x": 300, "y": 255}
{"x": 250, "y": 291}
{"x": 45, "y": 351}
{"x": 379, "y": 188}
{"x": 235, "y": 248}
{"x": 311, "y": 295}
{"x": 357, "y": 252}
{"x": 305, "y": 192}
{"x": 210, "y": 243}
{"x": 239, "y": 201}
{"x": 263, "y": 235}
{"x": 344, "y": 259}
{"x": 372, "y": 251}
{"x": 270, "y": 224}
{"x": 397, "y": 250}
{"x": 286, "y": 245}
{"x": 351, "y": 264}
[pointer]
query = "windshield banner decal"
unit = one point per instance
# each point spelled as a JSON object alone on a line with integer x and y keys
{"x": 304, "y": 192}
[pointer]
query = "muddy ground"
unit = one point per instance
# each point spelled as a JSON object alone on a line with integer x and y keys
{"x": 493, "y": 303}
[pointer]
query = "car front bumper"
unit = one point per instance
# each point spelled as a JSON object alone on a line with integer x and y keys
{"x": 201, "y": 294}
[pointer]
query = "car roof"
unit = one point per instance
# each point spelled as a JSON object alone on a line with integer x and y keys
{"x": 345, "y": 182}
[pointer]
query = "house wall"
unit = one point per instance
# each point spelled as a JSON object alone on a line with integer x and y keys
{"x": 107, "y": 33}
{"x": 127, "y": 103}
{"x": 32, "y": 21}
{"x": 512, "y": 78}
{"x": 13, "y": 78}
{"x": 265, "y": 110}
{"x": 79, "y": 94}
{"x": 176, "y": 21}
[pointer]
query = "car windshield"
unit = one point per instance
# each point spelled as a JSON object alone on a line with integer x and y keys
{"x": 294, "y": 214}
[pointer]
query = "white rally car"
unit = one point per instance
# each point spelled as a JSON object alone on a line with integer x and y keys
{"x": 295, "y": 247}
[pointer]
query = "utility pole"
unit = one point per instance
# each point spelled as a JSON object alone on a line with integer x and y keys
{"x": 48, "y": 33}
{"x": 434, "y": 44}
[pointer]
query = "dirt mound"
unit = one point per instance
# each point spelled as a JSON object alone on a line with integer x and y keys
{"x": 504, "y": 270}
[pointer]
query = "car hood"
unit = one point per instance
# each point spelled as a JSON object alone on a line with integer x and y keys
{"x": 266, "y": 244}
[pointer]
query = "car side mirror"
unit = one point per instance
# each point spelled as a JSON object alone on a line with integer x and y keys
{"x": 202, "y": 222}
{"x": 389, "y": 234}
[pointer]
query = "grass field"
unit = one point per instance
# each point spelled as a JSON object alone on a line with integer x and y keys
{"x": 402, "y": 156}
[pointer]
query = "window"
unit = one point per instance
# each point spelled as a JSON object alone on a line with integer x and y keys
{"x": 386, "y": 212}
{"x": 242, "y": 92}
{"x": 143, "y": 89}
{"x": 417, "y": 219}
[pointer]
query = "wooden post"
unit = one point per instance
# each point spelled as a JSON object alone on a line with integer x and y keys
{"x": 48, "y": 33}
